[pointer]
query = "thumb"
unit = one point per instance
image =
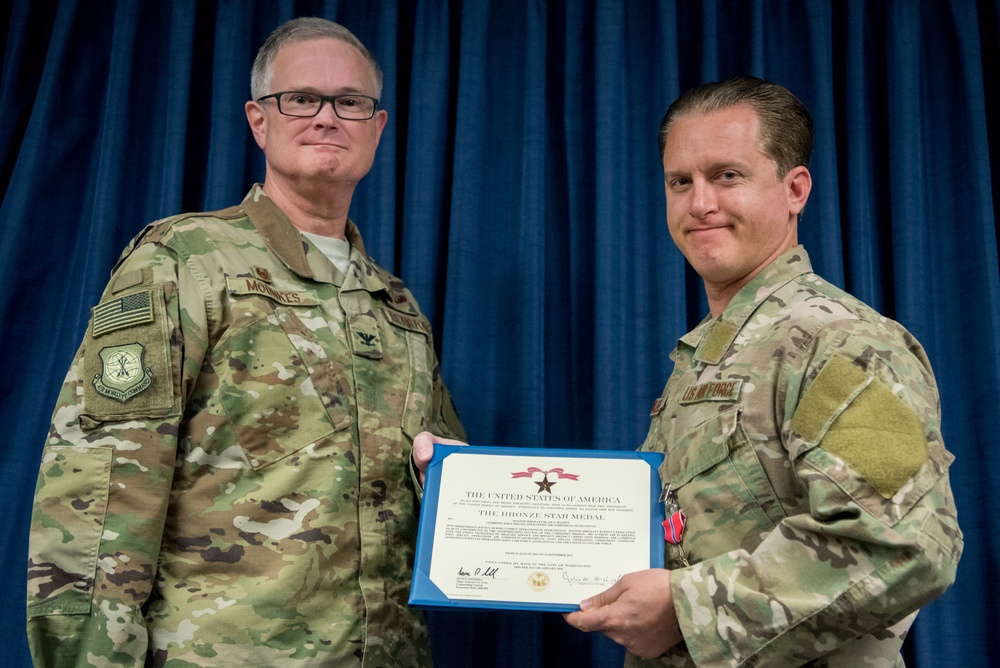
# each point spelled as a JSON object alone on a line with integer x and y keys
{"x": 606, "y": 597}
{"x": 423, "y": 449}
{"x": 422, "y": 454}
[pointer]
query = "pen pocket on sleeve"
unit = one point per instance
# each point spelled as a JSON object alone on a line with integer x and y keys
{"x": 71, "y": 501}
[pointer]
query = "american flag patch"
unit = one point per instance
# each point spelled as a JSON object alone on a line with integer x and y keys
{"x": 133, "y": 309}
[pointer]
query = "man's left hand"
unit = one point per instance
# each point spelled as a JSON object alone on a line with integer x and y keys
{"x": 637, "y": 612}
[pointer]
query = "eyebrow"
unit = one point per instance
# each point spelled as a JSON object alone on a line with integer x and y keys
{"x": 727, "y": 165}
{"x": 346, "y": 90}
{"x": 713, "y": 168}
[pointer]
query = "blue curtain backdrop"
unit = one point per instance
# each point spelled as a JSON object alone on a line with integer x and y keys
{"x": 518, "y": 191}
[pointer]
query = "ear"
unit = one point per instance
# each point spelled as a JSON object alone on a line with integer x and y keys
{"x": 381, "y": 116}
{"x": 798, "y": 182}
{"x": 258, "y": 122}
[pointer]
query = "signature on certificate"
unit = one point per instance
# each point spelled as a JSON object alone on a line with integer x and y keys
{"x": 484, "y": 572}
{"x": 590, "y": 579}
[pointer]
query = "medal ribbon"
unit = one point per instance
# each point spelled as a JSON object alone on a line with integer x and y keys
{"x": 673, "y": 527}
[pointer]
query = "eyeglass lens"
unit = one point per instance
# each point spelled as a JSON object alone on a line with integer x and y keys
{"x": 308, "y": 104}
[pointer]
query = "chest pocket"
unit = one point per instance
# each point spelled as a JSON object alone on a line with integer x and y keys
{"x": 275, "y": 380}
{"x": 721, "y": 487}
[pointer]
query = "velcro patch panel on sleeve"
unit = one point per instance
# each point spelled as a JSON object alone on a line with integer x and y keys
{"x": 130, "y": 370}
{"x": 860, "y": 420}
{"x": 835, "y": 387}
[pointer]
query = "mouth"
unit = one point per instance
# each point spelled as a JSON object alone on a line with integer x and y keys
{"x": 322, "y": 144}
{"x": 708, "y": 229}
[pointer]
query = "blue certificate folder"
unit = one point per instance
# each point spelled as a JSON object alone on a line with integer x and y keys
{"x": 511, "y": 498}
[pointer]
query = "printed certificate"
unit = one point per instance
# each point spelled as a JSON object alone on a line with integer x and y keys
{"x": 534, "y": 528}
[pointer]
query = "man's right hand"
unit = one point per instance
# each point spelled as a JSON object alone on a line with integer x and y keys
{"x": 636, "y": 612}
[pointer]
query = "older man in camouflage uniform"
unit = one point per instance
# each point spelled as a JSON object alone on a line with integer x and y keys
{"x": 227, "y": 480}
{"x": 806, "y": 478}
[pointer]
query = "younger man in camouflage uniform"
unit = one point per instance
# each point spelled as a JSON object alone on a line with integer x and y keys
{"x": 806, "y": 475}
{"x": 227, "y": 479}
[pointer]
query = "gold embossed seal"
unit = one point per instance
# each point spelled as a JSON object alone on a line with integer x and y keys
{"x": 538, "y": 581}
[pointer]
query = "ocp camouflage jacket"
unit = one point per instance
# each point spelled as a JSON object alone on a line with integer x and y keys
{"x": 803, "y": 444}
{"x": 226, "y": 479}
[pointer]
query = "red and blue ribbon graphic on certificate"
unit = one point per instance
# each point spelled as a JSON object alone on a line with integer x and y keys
{"x": 560, "y": 473}
{"x": 544, "y": 485}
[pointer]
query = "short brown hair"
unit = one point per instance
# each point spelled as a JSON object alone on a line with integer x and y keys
{"x": 786, "y": 128}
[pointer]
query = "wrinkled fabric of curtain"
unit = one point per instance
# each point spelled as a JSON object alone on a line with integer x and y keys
{"x": 518, "y": 191}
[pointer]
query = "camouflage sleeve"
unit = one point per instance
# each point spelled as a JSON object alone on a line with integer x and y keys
{"x": 104, "y": 481}
{"x": 877, "y": 536}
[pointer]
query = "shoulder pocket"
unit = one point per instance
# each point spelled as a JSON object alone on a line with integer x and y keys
{"x": 847, "y": 416}
{"x": 130, "y": 365}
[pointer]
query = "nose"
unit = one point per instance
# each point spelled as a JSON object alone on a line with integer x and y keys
{"x": 326, "y": 117}
{"x": 703, "y": 200}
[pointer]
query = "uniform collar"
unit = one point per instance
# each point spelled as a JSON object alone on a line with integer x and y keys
{"x": 713, "y": 337}
{"x": 299, "y": 255}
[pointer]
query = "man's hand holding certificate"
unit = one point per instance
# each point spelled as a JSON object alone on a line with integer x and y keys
{"x": 534, "y": 529}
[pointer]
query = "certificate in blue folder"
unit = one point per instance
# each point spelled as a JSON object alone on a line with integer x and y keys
{"x": 534, "y": 528}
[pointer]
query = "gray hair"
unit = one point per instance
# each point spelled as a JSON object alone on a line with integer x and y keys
{"x": 298, "y": 30}
{"x": 786, "y": 128}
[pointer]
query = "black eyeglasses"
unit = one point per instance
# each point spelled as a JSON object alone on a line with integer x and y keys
{"x": 305, "y": 105}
